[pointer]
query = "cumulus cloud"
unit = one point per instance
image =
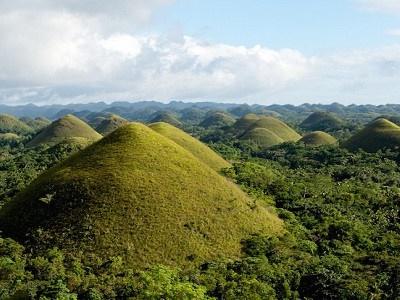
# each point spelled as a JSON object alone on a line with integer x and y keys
{"x": 65, "y": 51}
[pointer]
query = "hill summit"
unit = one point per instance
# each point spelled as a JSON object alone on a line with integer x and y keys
{"x": 318, "y": 138}
{"x": 191, "y": 144}
{"x": 379, "y": 134}
{"x": 67, "y": 127}
{"x": 265, "y": 131}
{"x": 322, "y": 121}
{"x": 138, "y": 195}
{"x": 111, "y": 123}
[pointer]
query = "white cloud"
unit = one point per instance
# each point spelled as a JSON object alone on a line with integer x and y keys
{"x": 387, "y": 6}
{"x": 64, "y": 51}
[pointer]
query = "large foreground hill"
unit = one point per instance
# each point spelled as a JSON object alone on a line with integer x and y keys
{"x": 138, "y": 195}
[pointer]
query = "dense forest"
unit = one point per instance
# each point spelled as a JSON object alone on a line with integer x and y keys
{"x": 331, "y": 177}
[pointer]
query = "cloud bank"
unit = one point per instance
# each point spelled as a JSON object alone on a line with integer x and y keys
{"x": 83, "y": 51}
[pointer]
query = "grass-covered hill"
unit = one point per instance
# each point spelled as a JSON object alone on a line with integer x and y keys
{"x": 265, "y": 131}
{"x": 322, "y": 121}
{"x": 10, "y": 124}
{"x": 36, "y": 123}
{"x": 166, "y": 117}
{"x": 377, "y": 135}
{"x": 262, "y": 137}
{"x": 191, "y": 144}
{"x": 217, "y": 119}
{"x": 110, "y": 124}
{"x": 245, "y": 122}
{"x": 138, "y": 195}
{"x": 67, "y": 127}
{"x": 318, "y": 138}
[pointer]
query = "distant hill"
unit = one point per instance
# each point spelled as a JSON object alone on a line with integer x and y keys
{"x": 265, "y": 131}
{"x": 245, "y": 122}
{"x": 37, "y": 123}
{"x": 262, "y": 137}
{"x": 138, "y": 195}
{"x": 322, "y": 121}
{"x": 68, "y": 126}
{"x": 318, "y": 138}
{"x": 217, "y": 119}
{"x": 166, "y": 117}
{"x": 278, "y": 127}
{"x": 377, "y": 135}
{"x": 10, "y": 124}
{"x": 111, "y": 123}
{"x": 191, "y": 144}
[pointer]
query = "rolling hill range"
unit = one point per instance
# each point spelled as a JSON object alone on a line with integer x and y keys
{"x": 67, "y": 127}
{"x": 110, "y": 124}
{"x": 322, "y": 121}
{"x": 318, "y": 138}
{"x": 191, "y": 144}
{"x": 265, "y": 131}
{"x": 37, "y": 123}
{"x": 138, "y": 195}
{"x": 10, "y": 124}
{"x": 217, "y": 119}
{"x": 377, "y": 135}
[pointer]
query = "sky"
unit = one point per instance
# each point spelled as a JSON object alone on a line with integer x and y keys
{"x": 241, "y": 51}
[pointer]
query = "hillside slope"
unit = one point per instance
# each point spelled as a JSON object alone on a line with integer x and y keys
{"x": 67, "y": 127}
{"x": 377, "y": 135}
{"x": 191, "y": 144}
{"x": 138, "y": 195}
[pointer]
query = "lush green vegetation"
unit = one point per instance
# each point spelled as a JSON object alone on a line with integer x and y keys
{"x": 340, "y": 213}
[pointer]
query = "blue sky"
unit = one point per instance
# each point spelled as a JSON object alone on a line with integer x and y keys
{"x": 255, "y": 51}
{"x": 311, "y": 26}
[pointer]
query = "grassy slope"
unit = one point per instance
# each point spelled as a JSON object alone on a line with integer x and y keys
{"x": 110, "y": 124}
{"x": 66, "y": 127}
{"x": 318, "y": 138}
{"x": 377, "y": 135}
{"x": 245, "y": 122}
{"x": 277, "y": 127}
{"x": 197, "y": 148}
{"x": 138, "y": 195}
{"x": 217, "y": 119}
{"x": 262, "y": 137}
{"x": 10, "y": 124}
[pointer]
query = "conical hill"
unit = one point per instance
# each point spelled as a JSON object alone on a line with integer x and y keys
{"x": 318, "y": 138}
{"x": 67, "y": 127}
{"x": 141, "y": 196}
{"x": 377, "y": 135}
{"x": 193, "y": 145}
{"x": 110, "y": 124}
